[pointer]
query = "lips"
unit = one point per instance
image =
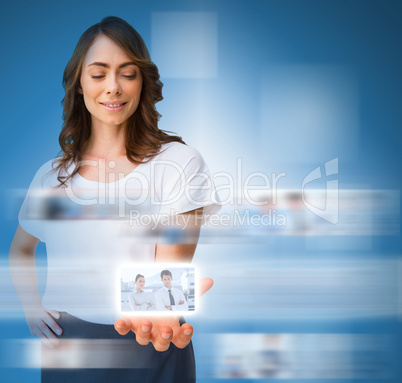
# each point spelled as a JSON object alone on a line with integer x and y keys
{"x": 113, "y": 106}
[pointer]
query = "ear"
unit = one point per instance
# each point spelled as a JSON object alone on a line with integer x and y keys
{"x": 79, "y": 89}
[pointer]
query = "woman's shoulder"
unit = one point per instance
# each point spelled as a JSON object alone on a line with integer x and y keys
{"x": 178, "y": 152}
{"x": 48, "y": 166}
{"x": 47, "y": 174}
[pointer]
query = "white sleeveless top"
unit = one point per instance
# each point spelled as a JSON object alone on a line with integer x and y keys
{"x": 89, "y": 235}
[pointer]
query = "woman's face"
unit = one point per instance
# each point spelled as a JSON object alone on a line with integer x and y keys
{"x": 110, "y": 83}
{"x": 140, "y": 282}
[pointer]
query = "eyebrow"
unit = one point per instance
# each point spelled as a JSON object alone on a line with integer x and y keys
{"x": 97, "y": 63}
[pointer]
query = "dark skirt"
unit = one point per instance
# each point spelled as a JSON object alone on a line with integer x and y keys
{"x": 91, "y": 352}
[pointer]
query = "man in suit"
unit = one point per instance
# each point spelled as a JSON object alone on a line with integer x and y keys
{"x": 169, "y": 298}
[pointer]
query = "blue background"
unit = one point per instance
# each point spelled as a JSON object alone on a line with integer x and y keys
{"x": 252, "y": 37}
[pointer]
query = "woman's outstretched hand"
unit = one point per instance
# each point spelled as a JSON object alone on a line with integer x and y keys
{"x": 161, "y": 331}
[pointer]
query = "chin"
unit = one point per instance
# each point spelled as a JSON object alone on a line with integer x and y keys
{"x": 116, "y": 122}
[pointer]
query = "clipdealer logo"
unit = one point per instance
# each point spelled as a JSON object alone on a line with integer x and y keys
{"x": 330, "y": 211}
{"x": 236, "y": 191}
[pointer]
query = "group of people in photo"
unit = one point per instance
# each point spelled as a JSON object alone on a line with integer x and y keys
{"x": 167, "y": 298}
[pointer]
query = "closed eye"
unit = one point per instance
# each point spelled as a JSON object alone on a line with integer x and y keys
{"x": 131, "y": 77}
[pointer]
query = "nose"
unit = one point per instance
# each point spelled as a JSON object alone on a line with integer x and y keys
{"x": 113, "y": 85}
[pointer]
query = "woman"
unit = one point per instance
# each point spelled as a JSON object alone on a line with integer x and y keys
{"x": 111, "y": 146}
{"x": 140, "y": 300}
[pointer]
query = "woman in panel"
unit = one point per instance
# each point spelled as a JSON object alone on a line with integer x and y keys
{"x": 139, "y": 299}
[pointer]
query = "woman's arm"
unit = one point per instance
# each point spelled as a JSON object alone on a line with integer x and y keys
{"x": 151, "y": 301}
{"x": 189, "y": 225}
{"x": 162, "y": 331}
{"x": 132, "y": 302}
{"x": 24, "y": 275}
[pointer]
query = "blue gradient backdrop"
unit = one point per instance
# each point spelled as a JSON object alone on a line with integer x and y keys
{"x": 221, "y": 110}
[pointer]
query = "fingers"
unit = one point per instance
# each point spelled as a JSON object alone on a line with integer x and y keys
{"x": 51, "y": 323}
{"x": 161, "y": 336}
{"x": 43, "y": 332}
{"x": 45, "y": 327}
{"x": 142, "y": 329}
{"x": 183, "y": 337}
{"x": 49, "y": 334}
{"x": 37, "y": 332}
{"x": 163, "y": 339}
{"x": 205, "y": 285}
{"x": 143, "y": 332}
{"x": 54, "y": 313}
{"x": 122, "y": 326}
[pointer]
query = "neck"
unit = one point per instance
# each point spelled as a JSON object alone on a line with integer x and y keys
{"x": 138, "y": 289}
{"x": 106, "y": 141}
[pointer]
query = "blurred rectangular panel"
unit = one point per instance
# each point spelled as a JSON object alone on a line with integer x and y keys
{"x": 298, "y": 356}
{"x": 293, "y": 212}
{"x": 71, "y": 353}
{"x": 299, "y": 288}
{"x": 246, "y": 215}
{"x": 185, "y": 44}
{"x": 332, "y": 243}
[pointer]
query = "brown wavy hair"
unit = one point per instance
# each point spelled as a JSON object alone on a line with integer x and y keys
{"x": 143, "y": 137}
